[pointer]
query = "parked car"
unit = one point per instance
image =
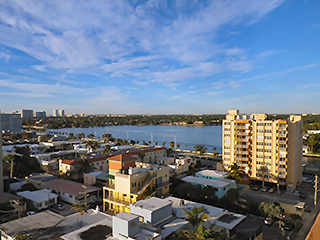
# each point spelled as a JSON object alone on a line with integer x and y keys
{"x": 288, "y": 225}
{"x": 256, "y": 187}
{"x": 60, "y": 206}
{"x": 30, "y": 213}
{"x": 272, "y": 190}
{"x": 3, "y": 220}
{"x": 264, "y": 189}
{"x": 268, "y": 221}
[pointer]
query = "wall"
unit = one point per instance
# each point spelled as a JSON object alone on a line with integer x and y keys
{"x": 89, "y": 179}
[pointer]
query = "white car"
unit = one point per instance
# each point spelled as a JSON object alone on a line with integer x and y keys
{"x": 30, "y": 213}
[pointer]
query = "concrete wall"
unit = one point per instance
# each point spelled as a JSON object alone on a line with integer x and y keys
{"x": 123, "y": 229}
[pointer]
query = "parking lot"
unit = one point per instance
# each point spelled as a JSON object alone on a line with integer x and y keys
{"x": 273, "y": 232}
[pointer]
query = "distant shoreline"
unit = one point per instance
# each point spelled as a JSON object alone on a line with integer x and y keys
{"x": 311, "y": 155}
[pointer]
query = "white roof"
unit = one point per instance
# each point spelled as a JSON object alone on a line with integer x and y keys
{"x": 152, "y": 204}
{"x": 222, "y": 218}
{"x": 213, "y": 173}
{"x": 38, "y": 196}
{"x": 126, "y": 216}
{"x": 218, "y": 183}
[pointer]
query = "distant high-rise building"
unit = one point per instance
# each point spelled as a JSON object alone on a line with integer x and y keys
{"x": 62, "y": 114}
{"x": 1, "y": 165}
{"x": 10, "y": 122}
{"x": 41, "y": 114}
{"x": 268, "y": 150}
{"x": 55, "y": 113}
{"x": 26, "y": 113}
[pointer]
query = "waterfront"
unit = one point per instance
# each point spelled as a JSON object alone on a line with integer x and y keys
{"x": 187, "y": 137}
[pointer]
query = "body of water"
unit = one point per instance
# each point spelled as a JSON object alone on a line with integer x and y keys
{"x": 187, "y": 137}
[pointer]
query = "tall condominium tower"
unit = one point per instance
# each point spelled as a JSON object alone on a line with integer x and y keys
{"x": 62, "y": 113}
{"x": 267, "y": 150}
{"x": 56, "y": 113}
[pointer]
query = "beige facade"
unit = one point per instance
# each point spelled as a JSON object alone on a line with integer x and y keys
{"x": 139, "y": 183}
{"x": 267, "y": 150}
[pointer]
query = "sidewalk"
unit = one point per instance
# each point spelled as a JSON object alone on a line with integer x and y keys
{"x": 304, "y": 230}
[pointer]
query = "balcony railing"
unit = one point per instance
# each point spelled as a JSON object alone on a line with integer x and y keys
{"x": 109, "y": 185}
{"x": 282, "y": 135}
{"x": 244, "y": 139}
{"x": 282, "y": 175}
{"x": 282, "y": 142}
{"x": 242, "y": 133}
{"x": 282, "y": 128}
{"x": 282, "y": 169}
{"x": 282, "y": 162}
{"x": 244, "y": 165}
{"x": 242, "y": 152}
{"x": 242, "y": 127}
{"x": 242, "y": 145}
{"x": 242, "y": 158}
{"x": 117, "y": 200}
{"x": 282, "y": 149}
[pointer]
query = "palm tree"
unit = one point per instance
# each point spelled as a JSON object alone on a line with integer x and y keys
{"x": 106, "y": 137}
{"x": 215, "y": 152}
{"x": 71, "y": 136}
{"x": 142, "y": 155}
{"x": 196, "y": 215}
{"x": 21, "y": 236}
{"x": 200, "y": 149}
{"x": 9, "y": 159}
{"x": 85, "y": 166}
{"x": 91, "y": 136}
{"x": 164, "y": 143}
{"x": 171, "y": 144}
{"x": 107, "y": 149}
{"x": 235, "y": 172}
{"x": 48, "y": 168}
{"x": 79, "y": 209}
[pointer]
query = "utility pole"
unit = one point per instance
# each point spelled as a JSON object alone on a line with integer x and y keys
{"x": 85, "y": 196}
{"x": 19, "y": 207}
{"x": 315, "y": 190}
{"x": 127, "y": 135}
{"x": 151, "y": 139}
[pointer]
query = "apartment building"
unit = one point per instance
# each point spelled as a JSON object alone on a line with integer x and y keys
{"x": 267, "y": 150}
{"x": 132, "y": 185}
{"x": 26, "y": 113}
{"x": 151, "y": 154}
{"x": 10, "y": 122}
{"x": 41, "y": 114}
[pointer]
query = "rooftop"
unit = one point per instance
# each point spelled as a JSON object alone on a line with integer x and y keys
{"x": 126, "y": 216}
{"x": 152, "y": 204}
{"x": 123, "y": 157}
{"x": 213, "y": 173}
{"x": 5, "y": 197}
{"x": 218, "y": 183}
{"x": 38, "y": 196}
{"x": 69, "y": 187}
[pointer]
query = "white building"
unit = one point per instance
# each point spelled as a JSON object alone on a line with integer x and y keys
{"x": 55, "y": 113}
{"x": 62, "y": 113}
{"x": 10, "y": 122}
{"x": 40, "y": 199}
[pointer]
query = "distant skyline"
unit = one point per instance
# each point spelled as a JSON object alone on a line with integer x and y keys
{"x": 160, "y": 57}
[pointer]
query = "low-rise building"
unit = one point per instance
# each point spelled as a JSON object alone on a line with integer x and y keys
{"x": 151, "y": 154}
{"x": 95, "y": 177}
{"x": 40, "y": 180}
{"x": 211, "y": 174}
{"x": 221, "y": 186}
{"x": 73, "y": 192}
{"x": 40, "y": 199}
{"x": 133, "y": 185}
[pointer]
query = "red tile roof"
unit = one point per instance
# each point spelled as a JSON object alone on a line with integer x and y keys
{"x": 77, "y": 162}
{"x": 122, "y": 157}
{"x": 69, "y": 187}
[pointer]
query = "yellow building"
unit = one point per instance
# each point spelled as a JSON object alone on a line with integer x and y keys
{"x": 133, "y": 185}
{"x": 267, "y": 150}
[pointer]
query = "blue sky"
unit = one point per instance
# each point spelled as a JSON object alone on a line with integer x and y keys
{"x": 160, "y": 57}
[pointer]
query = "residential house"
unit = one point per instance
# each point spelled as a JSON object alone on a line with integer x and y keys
{"x": 73, "y": 192}
{"x": 211, "y": 174}
{"x": 95, "y": 177}
{"x": 221, "y": 186}
{"x": 40, "y": 199}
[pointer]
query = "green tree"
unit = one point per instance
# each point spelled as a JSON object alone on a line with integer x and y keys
{"x": 196, "y": 215}
{"x": 141, "y": 155}
{"x": 178, "y": 145}
{"x": 164, "y": 143}
{"x": 200, "y": 149}
{"x": 79, "y": 209}
{"x": 106, "y": 137}
{"x": 171, "y": 144}
{"x": 235, "y": 172}
{"x": 71, "y": 136}
{"x": 215, "y": 152}
{"x": 85, "y": 166}
{"x": 272, "y": 210}
{"x": 107, "y": 149}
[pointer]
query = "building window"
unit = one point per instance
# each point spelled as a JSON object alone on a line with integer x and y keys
{"x": 227, "y": 135}
{"x": 226, "y": 147}
{"x": 227, "y": 123}
{"x": 227, "y": 153}
{"x": 260, "y": 131}
{"x": 259, "y": 137}
{"x": 267, "y": 131}
{"x": 268, "y": 124}
{"x": 227, "y": 129}
{"x": 267, "y": 137}
{"x": 259, "y": 124}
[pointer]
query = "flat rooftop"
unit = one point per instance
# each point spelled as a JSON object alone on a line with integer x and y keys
{"x": 152, "y": 204}
{"x": 38, "y": 196}
{"x": 218, "y": 183}
{"x": 126, "y": 216}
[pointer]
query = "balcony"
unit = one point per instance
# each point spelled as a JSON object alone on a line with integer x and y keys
{"x": 283, "y": 128}
{"x": 117, "y": 200}
{"x": 244, "y": 164}
{"x": 242, "y": 152}
{"x": 243, "y": 133}
{"x": 242, "y": 145}
{"x": 244, "y": 139}
{"x": 282, "y": 135}
{"x": 282, "y": 169}
{"x": 282, "y": 162}
{"x": 282, "y": 175}
{"x": 109, "y": 185}
{"x": 242, "y": 158}
{"x": 282, "y": 142}
{"x": 282, "y": 149}
{"x": 242, "y": 127}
